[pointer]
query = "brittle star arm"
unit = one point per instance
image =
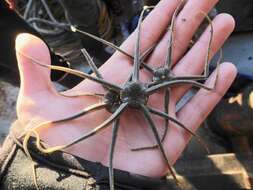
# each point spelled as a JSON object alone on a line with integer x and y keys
{"x": 151, "y": 124}
{"x": 74, "y": 29}
{"x": 183, "y": 80}
{"x": 105, "y": 124}
{"x": 207, "y": 73}
{"x": 166, "y": 122}
{"x": 115, "y": 128}
{"x": 207, "y": 58}
{"x": 168, "y": 84}
{"x": 95, "y": 69}
{"x": 168, "y": 62}
{"x": 32, "y": 131}
{"x": 136, "y": 66}
{"x": 98, "y": 95}
{"x": 168, "y": 65}
{"x": 76, "y": 73}
{"x": 166, "y": 110}
{"x": 97, "y": 73}
{"x": 93, "y": 66}
{"x": 164, "y": 115}
{"x": 146, "y": 53}
{"x": 143, "y": 57}
{"x": 91, "y": 63}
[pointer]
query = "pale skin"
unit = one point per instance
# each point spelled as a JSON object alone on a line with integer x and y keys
{"x": 38, "y": 101}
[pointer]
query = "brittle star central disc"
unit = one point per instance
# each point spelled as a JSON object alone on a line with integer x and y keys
{"x": 161, "y": 74}
{"x": 134, "y": 93}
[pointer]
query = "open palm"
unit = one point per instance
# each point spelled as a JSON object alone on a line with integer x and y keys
{"x": 38, "y": 100}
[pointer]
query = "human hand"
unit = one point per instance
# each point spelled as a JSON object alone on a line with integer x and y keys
{"x": 38, "y": 100}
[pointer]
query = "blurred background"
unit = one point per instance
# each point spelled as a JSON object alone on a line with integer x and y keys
{"x": 227, "y": 131}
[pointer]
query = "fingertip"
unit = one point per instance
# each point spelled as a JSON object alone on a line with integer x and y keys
{"x": 230, "y": 65}
{"x": 22, "y": 40}
{"x": 230, "y": 68}
{"x": 33, "y": 77}
{"x": 29, "y": 44}
{"x": 228, "y": 19}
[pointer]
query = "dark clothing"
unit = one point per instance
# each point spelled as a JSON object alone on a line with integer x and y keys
{"x": 59, "y": 170}
{"x": 11, "y": 24}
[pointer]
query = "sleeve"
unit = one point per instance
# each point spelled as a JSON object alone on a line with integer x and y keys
{"x": 62, "y": 171}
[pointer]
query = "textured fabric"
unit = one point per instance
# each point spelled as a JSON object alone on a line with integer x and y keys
{"x": 62, "y": 171}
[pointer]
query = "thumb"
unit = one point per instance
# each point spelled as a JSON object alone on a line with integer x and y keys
{"x": 33, "y": 78}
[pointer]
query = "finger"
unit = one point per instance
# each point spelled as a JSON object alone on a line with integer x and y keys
{"x": 195, "y": 111}
{"x": 153, "y": 27}
{"x": 33, "y": 78}
{"x": 186, "y": 25}
{"x": 194, "y": 61}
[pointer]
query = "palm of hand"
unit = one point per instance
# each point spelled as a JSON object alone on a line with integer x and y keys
{"x": 38, "y": 99}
